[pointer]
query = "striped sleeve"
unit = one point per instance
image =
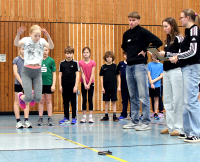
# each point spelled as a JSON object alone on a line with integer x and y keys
{"x": 178, "y": 40}
{"x": 193, "y": 45}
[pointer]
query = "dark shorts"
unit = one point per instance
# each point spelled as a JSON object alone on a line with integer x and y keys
{"x": 18, "y": 88}
{"x": 154, "y": 92}
{"x": 110, "y": 95}
{"x": 46, "y": 89}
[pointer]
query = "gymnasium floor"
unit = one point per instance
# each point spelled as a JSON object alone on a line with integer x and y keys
{"x": 81, "y": 142}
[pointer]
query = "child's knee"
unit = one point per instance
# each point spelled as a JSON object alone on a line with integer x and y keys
{"x": 37, "y": 98}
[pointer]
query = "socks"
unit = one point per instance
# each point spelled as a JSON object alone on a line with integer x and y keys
{"x": 84, "y": 116}
{"x": 18, "y": 120}
{"x": 114, "y": 113}
{"x": 26, "y": 119}
{"x": 90, "y": 116}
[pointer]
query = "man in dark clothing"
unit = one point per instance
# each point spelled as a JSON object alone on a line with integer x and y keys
{"x": 135, "y": 43}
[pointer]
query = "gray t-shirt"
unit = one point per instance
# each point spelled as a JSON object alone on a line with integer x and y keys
{"x": 33, "y": 52}
{"x": 20, "y": 63}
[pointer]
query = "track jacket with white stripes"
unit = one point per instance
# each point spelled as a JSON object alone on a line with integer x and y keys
{"x": 190, "y": 47}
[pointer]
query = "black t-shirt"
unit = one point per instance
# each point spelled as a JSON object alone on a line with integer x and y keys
{"x": 109, "y": 73}
{"x": 69, "y": 69}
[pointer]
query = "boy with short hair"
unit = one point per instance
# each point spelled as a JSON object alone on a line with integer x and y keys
{"x": 135, "y": 43}
{"x": 124, "y": 89}
{"x": 108, "y": 74}
{"x": 68, "y": 84}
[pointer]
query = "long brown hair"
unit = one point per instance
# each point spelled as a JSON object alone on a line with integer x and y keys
{"x": 193, "y": 15}
{"x": 174, "y": 31}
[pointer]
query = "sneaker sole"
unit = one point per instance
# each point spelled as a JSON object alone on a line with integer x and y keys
{"x": 90, "y": 122}
{"x": 82, "y": 122}
{"x": 142, "y": 129}
{"x": 191, "y": 140}
{"x": 20, "y": 127}
{"x": 40, "y": 124}
{"x": 50, "y": 124}
{"x": 128, "y": 127}
{"x": 181, "y": 137}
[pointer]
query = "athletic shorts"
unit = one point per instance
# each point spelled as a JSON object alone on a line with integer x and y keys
{"x": 18, "y": 88}
{"x": 154, "y": 92}
{"x": 110, "y": 95}
{"x": 46, "y": 89}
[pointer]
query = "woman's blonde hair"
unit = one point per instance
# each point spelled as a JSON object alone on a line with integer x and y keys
{"x": 34, "y": 27}
{"x": 19, "y": 48}
{"x": 193, "y": 15}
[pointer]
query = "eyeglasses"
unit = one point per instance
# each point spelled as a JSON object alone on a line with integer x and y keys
{"x": 181, "y": 18}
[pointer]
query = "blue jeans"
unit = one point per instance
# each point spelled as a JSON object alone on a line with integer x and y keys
{"x": 137, "y": 80}
{"x": 191, "y": 104}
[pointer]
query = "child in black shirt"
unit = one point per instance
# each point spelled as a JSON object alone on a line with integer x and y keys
{"x": 68, "y": 84}
{"x": 109, "y": 84}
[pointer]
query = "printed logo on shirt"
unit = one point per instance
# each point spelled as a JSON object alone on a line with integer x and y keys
{"x": 193, "y": 39}
{"x": 72, "y": 66}
{"x": 122, "y": 66}
{"x": 105, "y": 69}
{"x": 43, "y": 69}
{"x": 165, "y": 45}
{"x": 129, "y": 40}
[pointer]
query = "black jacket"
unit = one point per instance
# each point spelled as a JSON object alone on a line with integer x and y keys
{"x": 170, "y": 50}
{"x": 190, "y": 52}
{"x": 138, "y": 39}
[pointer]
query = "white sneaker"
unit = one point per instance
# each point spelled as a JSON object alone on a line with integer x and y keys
{"x": 143, "y": 127}
{"x": 19, "y": 125}
{"x": 130, "y": 126}
{"x": 27, "y": 124}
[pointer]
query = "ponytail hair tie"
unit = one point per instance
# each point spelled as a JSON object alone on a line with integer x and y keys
{"x": 196, "y": 14}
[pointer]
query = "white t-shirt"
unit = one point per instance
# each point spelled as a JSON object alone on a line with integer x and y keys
{"x": 33, "y": 52}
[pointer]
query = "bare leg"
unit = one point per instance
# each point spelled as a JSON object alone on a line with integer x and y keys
{"x": 16, "y": 106}
{"x": 106, "y": 106}
{"x": 114, "y": 106}
{"x": 41, "y": 105}
{"x": 49, "y": 104}
{"x": 199, "y": 96}
{"x": 26, "y": 111}
{"x": 156, "y": 103}
{"x": 84, "y": 112}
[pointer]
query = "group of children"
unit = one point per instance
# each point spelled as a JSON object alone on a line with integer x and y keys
{"x": 138, "y": 81}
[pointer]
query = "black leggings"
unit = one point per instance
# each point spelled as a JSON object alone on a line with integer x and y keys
{"x": 90, "y": 95}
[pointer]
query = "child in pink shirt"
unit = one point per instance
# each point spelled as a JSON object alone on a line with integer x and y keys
{"x": 87, "y": 68}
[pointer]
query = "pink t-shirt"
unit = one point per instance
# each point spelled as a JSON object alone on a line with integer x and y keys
{"x": 87, "y": 69}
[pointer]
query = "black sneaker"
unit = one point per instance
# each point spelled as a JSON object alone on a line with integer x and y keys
{"x": 192, "y": 139}
{"x": 182, "y": 136}
{"x": 115, "y": 118}
{"x": 40, "y": 122}
{"x": 50, "y": 122}
{"x": 105, "y": 118}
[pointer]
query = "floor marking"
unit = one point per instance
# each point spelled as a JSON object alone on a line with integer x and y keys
{"x": 116, "y": 158}
{"x": 19, "y": 133}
